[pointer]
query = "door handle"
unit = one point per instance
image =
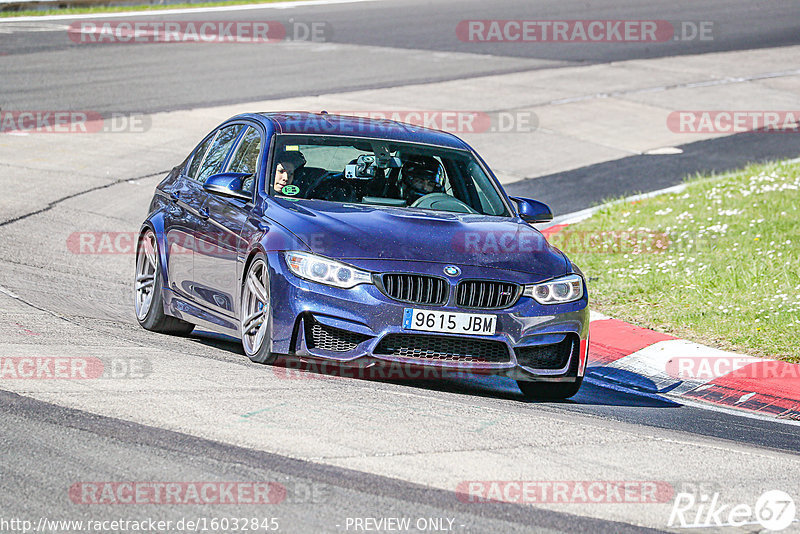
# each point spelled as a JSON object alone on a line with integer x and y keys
{"x": 175, "y": 195}
{"x": 203, "y": 213}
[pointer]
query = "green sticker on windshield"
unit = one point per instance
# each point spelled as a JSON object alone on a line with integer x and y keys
{"x": 290, "y": 190}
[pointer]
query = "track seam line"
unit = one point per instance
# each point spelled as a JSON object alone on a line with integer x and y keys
{"x": 58, "y": 201}
{"x": 708, "y": 82}
{"x": 685, "y": 85}
{"x": 9, "y": 293}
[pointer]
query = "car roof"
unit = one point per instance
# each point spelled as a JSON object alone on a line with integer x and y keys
{"x": 291, "y": 122}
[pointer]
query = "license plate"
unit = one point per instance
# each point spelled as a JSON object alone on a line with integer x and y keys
{"x": 452, "y": 323}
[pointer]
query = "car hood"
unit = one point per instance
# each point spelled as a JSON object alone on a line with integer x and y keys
{"x": 354, "y": 231}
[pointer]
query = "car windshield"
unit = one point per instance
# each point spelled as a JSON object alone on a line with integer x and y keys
{"x": 382, "y": 173}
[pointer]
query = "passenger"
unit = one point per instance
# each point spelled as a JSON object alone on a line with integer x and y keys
{"x": 288, "y": 163}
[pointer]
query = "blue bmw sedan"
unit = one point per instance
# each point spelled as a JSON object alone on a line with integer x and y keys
{"x": 316, "y": 237}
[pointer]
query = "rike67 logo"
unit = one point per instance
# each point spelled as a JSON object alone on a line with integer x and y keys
{"x": 774, "y": 510}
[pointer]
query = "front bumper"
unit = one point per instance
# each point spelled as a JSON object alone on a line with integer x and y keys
{"x": 371, "y": 316}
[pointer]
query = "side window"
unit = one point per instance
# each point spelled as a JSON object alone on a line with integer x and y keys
{"x": 219, "y": 150}
{"x": 246, "y": 158}
{"x": 197, "y": 158}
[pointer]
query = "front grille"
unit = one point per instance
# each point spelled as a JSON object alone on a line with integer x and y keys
{"x": 486, "y": 294}
{"x": 552, "y": 356}
{"x": 443, "y": 348}
{"x": 415, "y": 288}
{"x": 320, "y": 336}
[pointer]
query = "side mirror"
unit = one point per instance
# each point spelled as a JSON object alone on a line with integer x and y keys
{"x": 228, "y": 184}
{"x": 533, "y": 211}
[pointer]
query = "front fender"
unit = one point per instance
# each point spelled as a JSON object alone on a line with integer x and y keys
{"x": 155, "y": 222}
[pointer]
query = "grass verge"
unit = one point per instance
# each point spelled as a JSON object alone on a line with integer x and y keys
{"x": 718, "y": 263}
{"x": 117, "y": 9}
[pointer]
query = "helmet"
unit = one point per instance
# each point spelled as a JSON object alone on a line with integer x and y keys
{"x": 421, "y": 176}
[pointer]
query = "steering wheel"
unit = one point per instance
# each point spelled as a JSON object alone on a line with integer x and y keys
{"x": 442, "y": 202}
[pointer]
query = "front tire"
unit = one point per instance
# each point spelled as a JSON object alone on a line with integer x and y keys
{"x": 256, "y": 314}
{"x": 549, "y": 390}
{"x": 147, "y": 289}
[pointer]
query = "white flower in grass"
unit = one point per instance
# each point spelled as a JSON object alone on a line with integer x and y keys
{"x": 730, "y": 213}
{"x": 718, "y": 228}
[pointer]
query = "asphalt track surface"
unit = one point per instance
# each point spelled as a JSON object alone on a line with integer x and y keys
{"x": 367, "y": 45}
{"x": 316, "y": 495}
{"x": 46, "y": 447}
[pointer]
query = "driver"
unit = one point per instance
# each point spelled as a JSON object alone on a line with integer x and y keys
{"x": 421, "y": 175}
{"x": 288, "y": 163}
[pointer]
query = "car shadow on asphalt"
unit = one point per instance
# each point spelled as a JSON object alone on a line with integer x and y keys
{"x": 637, "y": 390}
{"x": 506, "y": 388}
{"x": 217, "y": 341}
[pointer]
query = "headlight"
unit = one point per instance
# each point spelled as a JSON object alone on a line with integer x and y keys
{"x": 325, "y": 271}
{"x": 564, "y": 289}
